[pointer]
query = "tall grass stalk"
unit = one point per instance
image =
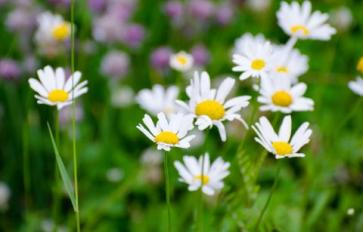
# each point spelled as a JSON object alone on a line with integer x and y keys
{"x": 167, "y": 188}
{"x": 276, "y": 179}
{"x": 75, "y": 165}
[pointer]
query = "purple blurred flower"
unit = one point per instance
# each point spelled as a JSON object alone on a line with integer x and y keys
{"x": 133, "y": 35}
{"x": 63, "y": 3}
{"x": 121, "y": 9}
{"x": 30, "y": 63}
{"x": 200, "y": 54}
{"x": 21, "y": 20}
{"x": 159, "y": 58}
{"x": 66, "y": 114}
{"x": 201, "y": 9}
{"x": 104, "y": 28}
{"x": 224, "y": 14}
{"x": 115, "y": 64}
{"x": 9, "y": 69}
{"x": 174, "y": 9}
{"x": 97, "y": 5}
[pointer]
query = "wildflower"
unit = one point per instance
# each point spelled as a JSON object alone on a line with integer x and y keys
{"x": 242, "y": 44}
{"x": 52, "y": 28}
{"x": 181, "y": 61}
{"x": 360, "y": 65}
{"x": 291, "y": 64}
{"x": 254, "y": 61}
{"x": 167, "y": 133}
{"x": 115, "y": 64}
{"x": 53, "y": 88}
{"x": 122, "y": 96}
{"x": 298, "y": 21}
{"x": 342, "y": 18}
{"x": 200, "y": 54}
{"x": 160, "y": 57}
{"x": 114, "y": 174}
{"x": 277, "y": 94}
{"x": 209, "y": 106}
{"x": 158, "y": 99}
{"x": 357, "y": 86}
{"x": 133, "y": 35}
{"x": 201, "y": 174}
{"x": 280, "y": 144}
{"x": 4, "y": 196}
{"x": 9, "y": 69}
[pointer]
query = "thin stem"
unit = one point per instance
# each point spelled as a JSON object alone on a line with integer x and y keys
{"x": 354, "y": 110}
{"x": 167, "y": 189}
{"x": 26, "y": 173}
{"x": 56, "y": 176}
{"x": 75, "y": 166}
{"x": 269, "y": 197}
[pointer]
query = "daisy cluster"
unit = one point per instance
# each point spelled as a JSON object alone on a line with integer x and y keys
{"x": 275, "y": 70}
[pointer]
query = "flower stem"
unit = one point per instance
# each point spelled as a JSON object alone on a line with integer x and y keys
{"x": 167, "y": 188}
{"x": 277, "y": 175}
{"x": 56, "y": 199}
{"x": 75, "y": 166}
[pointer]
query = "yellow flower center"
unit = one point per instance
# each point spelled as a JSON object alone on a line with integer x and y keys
{"x": 203, "y": 178}
{"x": 300, "y": 28}
{"x": 58, "y": 95}
{"x": 167, "y": 137}
{"x": 282, "y": 69}
{"x": 282, "y": 148}
{"x": 258, "y": 64}
{"x": 211, "y": 108}
{"x": 281, "y": 98}
{"x": 360, "y": 65}
{"x": 61, "y": 31}
{"x": 182, "y": 59}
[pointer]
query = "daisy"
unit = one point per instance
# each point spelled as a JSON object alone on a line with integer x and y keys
{"x": 158, "y": 99}
{"x": 357, "y": 86}
{"x": 360, "y": 65}
{"x": 53, "y": 89}
{"x": 242, "y": 44}
{"x": 52, "y": 28}
{"x": 201, "y": 174}
{"x": 298, "y": 21}
{"x": 181, "y": 61}
{"x": 168, "y": 133}
{"x": 277, "y": 94}
{"x": 280, "y": 144}
{"x": 209, "y": 106}
{"x": 254, "y": 61}
{"x": 289, "y": 63}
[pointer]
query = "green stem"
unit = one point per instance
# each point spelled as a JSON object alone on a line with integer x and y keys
{"x": 167, "y": 189}
{"x": 75, "y": 166}
{"x": 56, "y": 198}
{"x": 269, "y": 196}
{"x": 26, "y": 172}
{"x": 354, "y": 110}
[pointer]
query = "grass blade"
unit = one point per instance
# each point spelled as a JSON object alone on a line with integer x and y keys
{"x": 63, "y": 172}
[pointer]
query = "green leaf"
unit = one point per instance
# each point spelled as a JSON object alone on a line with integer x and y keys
{"x": 63, "y": 172}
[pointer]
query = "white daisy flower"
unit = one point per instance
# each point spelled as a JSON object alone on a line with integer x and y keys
{"x": 201, "y": 174}
{"x": 209, "y": 106}
{"x": 158, "y": 99}
{"x": 280, "y": 144}
{"x": 357, "y": 86}
{"x": 181, "y": 61}
{"x": 290, "y": 63}
{"x": 170, "y": 132}
{"x": 298, "y": 21}
{"x": 52, "y": 28}
{"x": 53, "y": 89}
{"x": 277, "y": 94}
{"x": 242, "y": 44}
{"x": 255, "y": 60}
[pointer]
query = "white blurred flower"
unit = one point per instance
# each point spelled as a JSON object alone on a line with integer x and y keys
{"x": 151, "y": 157}
{"x": 300, "y": 22}
{"x": 53, "y": 89}
{"x": 122, "y": 96}
{"x": 350, "y": 211}
{"x": 202, "y": 174}
{"x": 159, "y": 99}
{"x": 357, "y": 86}
{"x": 209, "y": 106}
{"x": 4, "y": 196}
{"x": 281, "y": 144}
{"x": 181, "y": 61}
{"x": 47, "y": 225}
{"x": 114, "y": 174}
{"x": 242, "y": 44}
{"x": 259, "y": 5}
{"x": 342, "y": 18}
